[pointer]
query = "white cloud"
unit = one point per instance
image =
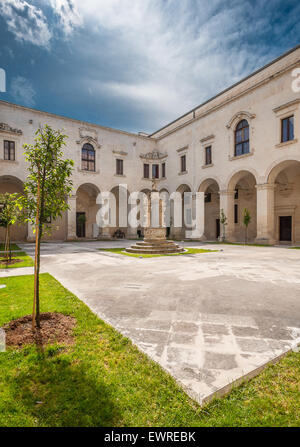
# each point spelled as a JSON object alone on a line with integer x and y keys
{"x": 22, "y": 91}
{"x": 68, "y": 15}
{"x": 27, "y": 22}
{"x": 184, "y": 51}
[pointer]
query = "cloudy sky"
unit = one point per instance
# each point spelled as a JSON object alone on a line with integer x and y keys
{"x": 136, "y": 64}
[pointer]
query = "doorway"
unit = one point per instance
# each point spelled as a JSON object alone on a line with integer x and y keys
{"x": 217, "y": 228}
{"x": 80, "y": 224}
{"x": 285, "y": 228}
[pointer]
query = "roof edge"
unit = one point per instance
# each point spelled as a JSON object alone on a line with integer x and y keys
{"x": 227, "y": 89}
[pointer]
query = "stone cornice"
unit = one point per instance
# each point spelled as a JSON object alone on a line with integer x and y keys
{"x": 286, "y": 105}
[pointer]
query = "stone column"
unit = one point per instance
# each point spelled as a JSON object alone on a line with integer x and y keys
{"x": 198, "y": 216}
{"x": 265, "y": 213}
{"x": 227, "y": 204}
{"x": 71, "y": 215}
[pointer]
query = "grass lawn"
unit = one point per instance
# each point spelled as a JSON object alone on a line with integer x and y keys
{"x": 26, "y": 260}
{"x": 189, "y": 251}
{"x": 13, "y": 247}
{"x": 103, "y": 380}
{"x": 235, "y": 243}
{"x": 294, "y": 248}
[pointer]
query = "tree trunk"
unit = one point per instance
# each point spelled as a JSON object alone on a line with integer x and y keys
{"x": 8, "y": 242}
{"x": 6, "y": 251}
{"x": 36, "y": 310}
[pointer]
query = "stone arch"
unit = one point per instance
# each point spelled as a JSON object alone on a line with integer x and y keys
{"x": 235, "y": 176}
{"x": 119, "y": 225}
{"x": 12, "y": 184}
{"x": 239, "y": 116}
{"x": 86, "y": 206}
{"x": 277, "y": 167}
{"x": 284, "y": 179}
{"x": 180, "y": 232}
{"x": 211, "y": 189}
{"x": 243, "y": 186}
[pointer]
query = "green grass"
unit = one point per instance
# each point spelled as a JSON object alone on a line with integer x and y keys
{"x": 26, "y": 260}
{"x": 189, "y": 251}
{"x": 236, "y": 243}
{"x": 294, "y": 248}
{"x": 103, "y": 380}
{"x": 13, "y": 247}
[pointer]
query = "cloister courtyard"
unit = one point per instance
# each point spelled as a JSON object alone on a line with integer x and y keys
{"x": 209, "y": 319}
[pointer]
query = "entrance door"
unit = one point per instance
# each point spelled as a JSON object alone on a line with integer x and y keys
{"x": 285, "y": 228}
{"x": 217, "y": 228}
{"x": 80, "y": 224}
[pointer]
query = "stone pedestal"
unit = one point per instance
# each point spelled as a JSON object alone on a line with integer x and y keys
{"x": 155, "y": 241}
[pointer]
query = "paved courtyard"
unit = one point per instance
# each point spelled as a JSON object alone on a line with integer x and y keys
{"x": 208, "y": 319}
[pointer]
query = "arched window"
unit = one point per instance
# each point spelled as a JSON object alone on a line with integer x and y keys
{"x": 242, "y": 138}
{"x": 88, "y": 157}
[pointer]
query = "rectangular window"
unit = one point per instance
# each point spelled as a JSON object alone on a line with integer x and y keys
{"x": 155, "y": 171}
{"x": 9, "y": 150}
{"x": 183, "y": 163}
{"x": 119, "y": 167}
{"x": 236, "y": 194}
{"x": 287, "y": 129}
{"x": 236, "y": 214}
{"x": 146, "y": 170}
{"x": 163, "y": 170}
{"x": 208, "y": 158}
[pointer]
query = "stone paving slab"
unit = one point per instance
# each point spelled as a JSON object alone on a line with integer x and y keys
{"x": 208, "y": 319}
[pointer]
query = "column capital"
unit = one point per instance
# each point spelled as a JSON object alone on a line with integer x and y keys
{"x": 72, "y": 197}
{"x": 262, "y": 186}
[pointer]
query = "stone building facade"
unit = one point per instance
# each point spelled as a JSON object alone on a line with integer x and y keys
{"x": 240, "y": 148}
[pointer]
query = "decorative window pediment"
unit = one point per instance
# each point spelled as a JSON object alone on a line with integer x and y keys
{"x": 154, "y": 155}
{"x": 88, "y": 135}
{"x": 8, "y": 129}
{"x": 239, "y": 117}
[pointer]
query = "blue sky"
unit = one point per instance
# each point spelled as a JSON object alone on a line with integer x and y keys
{"x": 136, "y": 64}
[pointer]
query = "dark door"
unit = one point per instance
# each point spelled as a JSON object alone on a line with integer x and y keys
{"x": 80, "y": 224}
{"x": 285, "y": 228}
{"x": 217, "y": 228}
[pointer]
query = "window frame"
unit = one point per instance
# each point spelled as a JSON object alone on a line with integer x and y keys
{"x": 146, "y": 167}
{"x": 287, "y": 119}
{"x": 155, "y": 170}
{"x": 10, "y": 150}
{"x": 89, "y": 148}
{"x": 119, "y": 166}
{"x": 236, "y": 213}
{"x": 245, "y": 142}
{"x": 163, "y": 170}
{"x": 183, "y": 163}
{"x": 208, "y": 155}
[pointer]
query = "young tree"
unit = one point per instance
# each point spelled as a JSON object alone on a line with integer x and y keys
{"x": 246, "y": 221}
{"x": 45, "y": 193}
{"x": 8, "y": 217}
{"x": 223, "y": 222}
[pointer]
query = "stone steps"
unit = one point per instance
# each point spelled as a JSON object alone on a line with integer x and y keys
{"x": 155, "y": 247}
{"x": 153, "y": 251}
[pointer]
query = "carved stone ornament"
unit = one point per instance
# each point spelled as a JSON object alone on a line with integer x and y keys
{"x": 154, "y": 155}
{"x": 88, "y": 135}
{"x": 6, "y": 128}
